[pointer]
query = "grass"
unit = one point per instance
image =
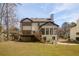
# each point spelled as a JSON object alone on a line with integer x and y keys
{"x": 37, "y": 49}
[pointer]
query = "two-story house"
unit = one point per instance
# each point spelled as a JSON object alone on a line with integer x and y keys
{"x": 43, "y": 29}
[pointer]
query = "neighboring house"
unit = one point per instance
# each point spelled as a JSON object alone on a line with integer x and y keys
{"x": 43, "y": 29}
{"x": 74, "y": 32}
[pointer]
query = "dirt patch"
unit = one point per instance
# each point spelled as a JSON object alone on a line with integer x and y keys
{"x": 66, "y": 42}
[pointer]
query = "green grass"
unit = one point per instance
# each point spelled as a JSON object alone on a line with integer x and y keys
{"x": 37, "y": 49}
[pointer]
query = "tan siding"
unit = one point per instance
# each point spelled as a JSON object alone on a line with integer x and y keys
{"x": 27, "y": 27}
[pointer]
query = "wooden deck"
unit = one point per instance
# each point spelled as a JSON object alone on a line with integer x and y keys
{"x": 28, "y": 38}
{"x": 27, "y": 35}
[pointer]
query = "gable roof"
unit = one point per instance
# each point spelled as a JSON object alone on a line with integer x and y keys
{"x": 25, "y": 19}
{"x": 37, "y": 19}
{"x": 45, "y": 20}
{"x": 40, "y": 19}
{"x": 49, "y": 22}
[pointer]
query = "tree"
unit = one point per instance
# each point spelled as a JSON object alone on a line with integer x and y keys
{"x": 8, "y": 16}
{"x": 66, "y": 29}
{"x": 72, "y": 24}
{"x": 1, "y": 15}
{"x": 60, "y": 32}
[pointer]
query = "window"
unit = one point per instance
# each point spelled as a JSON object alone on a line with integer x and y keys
{"x": 77, "y": 38}
{"x": 44, "y": 38}
{"x": 43, "y": 31}
{"x": 34, "y": 24}
{"x": 26, "y": 23}
{"x": 51, "y": 31}
{"x": 47, "y": 31}
{"x": 77, "y": 33}
{"x": 33, "y": 31}
{"x": 55, "y": 28}
{"x": 53, "y": 38}
{"x": 41, "y": 23}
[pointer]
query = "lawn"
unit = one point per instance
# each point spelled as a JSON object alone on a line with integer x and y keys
{"x": 10, "y": 48}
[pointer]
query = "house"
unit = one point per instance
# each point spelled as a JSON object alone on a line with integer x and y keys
{"x": 74, "y": 32}
{"x": 43, "y": 29}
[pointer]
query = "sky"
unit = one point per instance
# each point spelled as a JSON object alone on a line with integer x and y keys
{"x": 63, "y": 12}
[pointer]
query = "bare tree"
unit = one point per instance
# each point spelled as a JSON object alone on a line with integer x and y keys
{"x": 72, "y": 24}
{"x": 8, "y": 16}
{"x": 1, "y": 15}
{"x": 66, "y": 29}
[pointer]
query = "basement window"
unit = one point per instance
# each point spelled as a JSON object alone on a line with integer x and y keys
{"x": 77, "y": 38}
{"x": 77, "y": 33}
{"x": 53, "y": 38}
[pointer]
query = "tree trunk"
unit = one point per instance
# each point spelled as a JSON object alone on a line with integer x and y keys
{"x": 7, "y": 21}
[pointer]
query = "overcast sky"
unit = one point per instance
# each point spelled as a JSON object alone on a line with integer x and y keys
{"x": 62, "y": 12}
